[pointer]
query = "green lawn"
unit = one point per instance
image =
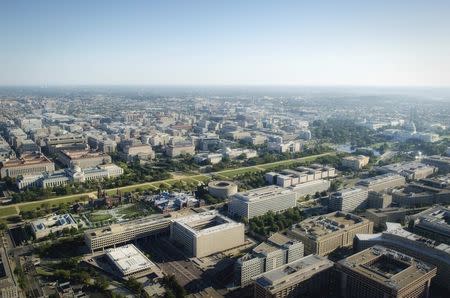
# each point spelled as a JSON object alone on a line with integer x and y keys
{"x": 96, "y": 217}
{"x": 38, "y": 204}
{"x": 7, "y": 211}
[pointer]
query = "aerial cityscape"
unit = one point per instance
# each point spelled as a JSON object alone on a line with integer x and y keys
{"x": 141, "y": 157}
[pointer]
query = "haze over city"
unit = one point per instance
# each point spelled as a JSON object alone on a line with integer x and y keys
{"x": 238, "y": 149}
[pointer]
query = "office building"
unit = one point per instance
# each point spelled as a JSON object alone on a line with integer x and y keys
{"x": 411, "y": 170}
{"x": 299, "y": 175}
{"x": 259, "y": 201}
{"x": 52, "y": 224}
{"x": 83, "y": 158}
{"x": 121, "y": 233}
{"x": 130, "y": 262}
{"x": 382, "y": 272}
{"x": 419, "y": 247}
{"x": 349, "y": 199}
{"x": 309, "y": 276}
{"x": 379, "y": 199}
{"x": 433, "y": 223}
{"x": 310, "y": 188}
{"x": 382, "y": 182}
{"x": 379, "y": 217}
{"x": 441, "y": 162}
{"x": 275, "y": 252}
{"x": 323, "y": 234}
{"x": 176, "y": 148}
{"x": 207, "y": 233}
{"x": 355, "y": 162}
{"x": 31, "y": 164}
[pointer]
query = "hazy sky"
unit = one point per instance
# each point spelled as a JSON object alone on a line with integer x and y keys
{"x": 337, "y": 42}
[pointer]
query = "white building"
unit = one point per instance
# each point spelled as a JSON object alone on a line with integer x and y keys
{"x": 207, "y": 233}
{"x": 52, "y": 224}
{"x": 349, "y": 199}
{"x": 259, "y": 201}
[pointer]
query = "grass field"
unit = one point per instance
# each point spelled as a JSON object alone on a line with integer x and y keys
{"x": 96, "y": 217}
{"x": 6, "y": 211}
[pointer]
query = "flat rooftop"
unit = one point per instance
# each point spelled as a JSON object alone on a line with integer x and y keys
{"x": 387, "y": 267}
{"x": 316, "y": 227}
{"x": 128, "y": 259}
{"x": 80, "y": 154}
{"x": 296, "y": 271}
{"x": 380, "y": 179}
{"x": 26, "y": 160}
{"x": 261, "y": 193}
{"x": 206, "y": 222}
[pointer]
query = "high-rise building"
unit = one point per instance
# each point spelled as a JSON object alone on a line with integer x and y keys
{"x": 311, "y": 275}
{"x": 259, "y": 201}
{"x": 382, "y": 272}
{"x": 207, "y": 233}
{"x": 425, "y": 249}
{"x": 276, "y": 251}
{"x": 323, "y": 234}
{"x": 349, "y": 199}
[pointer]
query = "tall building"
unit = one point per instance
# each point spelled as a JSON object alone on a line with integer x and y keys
{"x": 207, "y": 233}
{"x": 382, "y": 272}
{"x": 259, "y": 201}
{"x": 311, "y": 275}
{"x": 349, "y": 199}
{"x": 323, "y": 234}
{"x": 425, "y": 249}
{"x": 276, "y": 251}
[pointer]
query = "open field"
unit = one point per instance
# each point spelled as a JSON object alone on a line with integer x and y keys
{"x": 6, "y": 211}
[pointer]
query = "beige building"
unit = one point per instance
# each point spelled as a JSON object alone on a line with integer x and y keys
{"x": 323, "y": 234}
{"x": 31, "y": 164}
{"x": 311, "y": 275}
{"x": 382, "y": 182}
{"x": 379, "y": 217}
{"x": 382, "y": 272}
{"x": 355, "y": 162}
{"x": 83, "y": 158}
{"x": 207, "y": 233}
{"x": 121, "y": 233}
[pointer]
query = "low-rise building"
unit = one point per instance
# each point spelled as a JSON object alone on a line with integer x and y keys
{"x": 441, "y": 162}
{"x": 323, "y": 234}
{"x": 379, "y": 217}
{"x": 433, "y": 223}
{"x": 222, "y": 189}
{"x": 121, "y": 233}
{"x": 52, "y": 224}
{"x": 83, "y": 158}
{"x": 382, "y": 272}
{"x": 382, "y": 182}
{"x": 410, "y": 170}
{"x": 31, "y": 164}
{"x": 355, "y": 162}
{"x": 207, "y": 233}
{"x": 130, "y": 261}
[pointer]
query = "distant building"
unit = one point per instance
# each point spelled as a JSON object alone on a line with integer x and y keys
{"x": 355, "y": 162}
{"x": 83, "y": 158}
{"x": 382, "y": 182}
{"x": 179, "y": 147}
{"x": 382, "y": 272}
{"x": 286, "y": 147}
{"x": 275, "y": 252}
{"x": 433, "y": 223}
{"x": 207, "y": 233}
{"x": 52, "y": 224}
{"x": 32, "y": 164}
{"x": 212, "y": 158}
{"x": 410, "y": 170}
{"x": 349, "y": 199}
{"x": 323, "y": 234}
{"x": 441, "y": 162}
{"x": 259, "y": 201}
{"x": 311, "y": 275}
{"x": 222, "y": 189}
{"x": 299, "y": 175}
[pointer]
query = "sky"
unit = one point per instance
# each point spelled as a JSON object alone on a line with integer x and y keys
{"x": 299, "y": 43}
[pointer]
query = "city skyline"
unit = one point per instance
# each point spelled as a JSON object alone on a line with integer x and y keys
{"x": 208, "y": 43}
